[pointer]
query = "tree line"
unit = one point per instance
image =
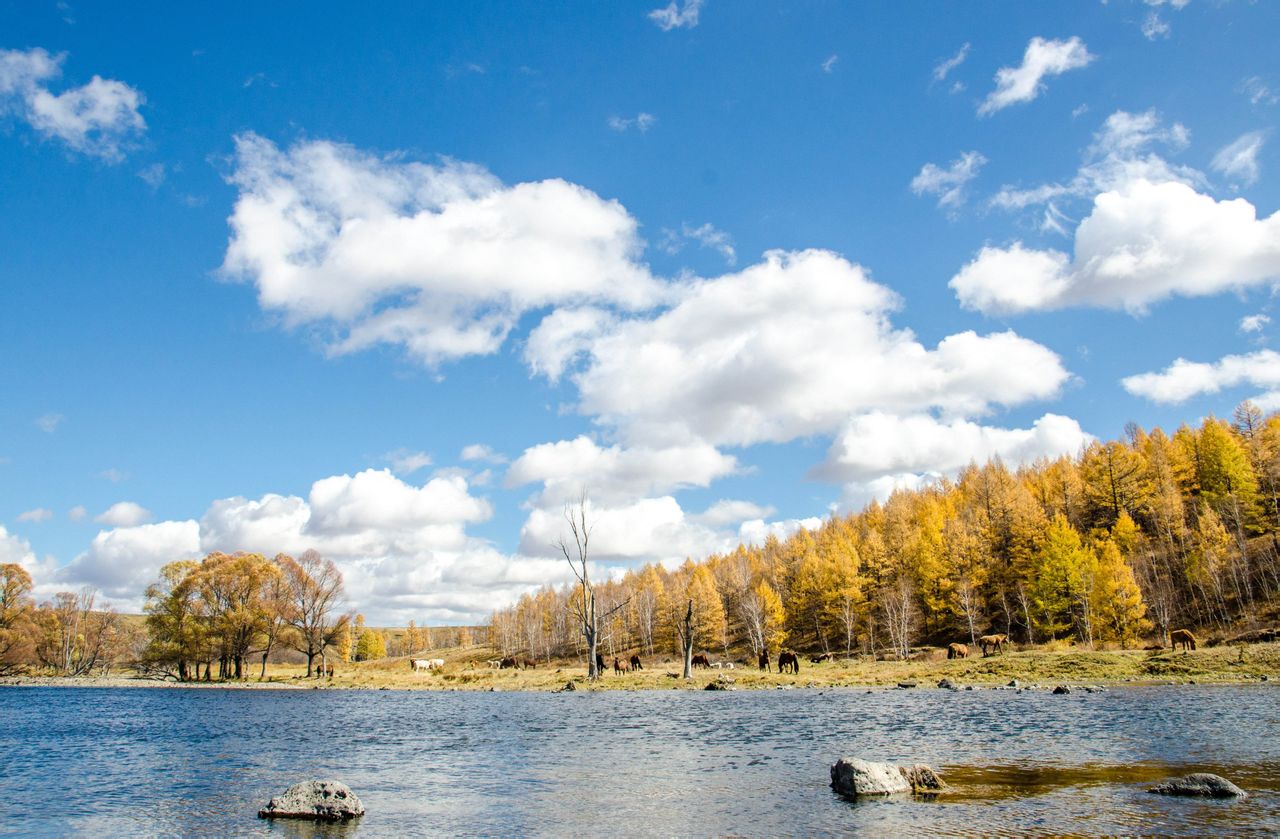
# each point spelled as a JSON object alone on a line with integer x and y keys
{"x": 1127, "y": 539}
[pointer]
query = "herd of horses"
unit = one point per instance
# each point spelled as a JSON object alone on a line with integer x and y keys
{"x": 788, "y": 661}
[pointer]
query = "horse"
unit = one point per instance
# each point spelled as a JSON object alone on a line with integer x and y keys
{"x": 419, "y": 664}
{"x": 788, "y": 661}
{"x": 818, "y": 659}
{"x": 993, "y": 644}
{"x": 620, "y": 667}
{"x": 764, "y": 660}
{"x": 599, "y": 663}
{"x": 1183, "y": 637}
{"x": 635, "y": 663}
{"x": 508, "y": 663}
{"x": 435, "y": 664}
{"x": 701, "y": 660}
{"x": 957, "y": 651}
{"x": 526, "y": 663}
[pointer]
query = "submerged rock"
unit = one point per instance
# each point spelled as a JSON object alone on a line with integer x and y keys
{"x": 946, "y": 683}
{"x": 854, "y": 777}
{"x": 1061, "y": 689}
{"x": 908, "y": 684}
{"x": 720, "y": 683}
{"x": 1201, "y": 784}
{"x": 1015, "y": 684}
{"x": 319, "y": 800}
{"x": 568, "y": 686}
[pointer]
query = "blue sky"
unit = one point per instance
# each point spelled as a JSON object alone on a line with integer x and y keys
{"x": 268, "y": 273}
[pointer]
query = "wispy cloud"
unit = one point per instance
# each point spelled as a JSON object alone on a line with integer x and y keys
{"x": 944, "y": 68}
{"x": 99, "y": 119}
{"x": 641, "y": 122}
{"x": 1015, "y": 85}
{"x": 39, "y": 514}
{"x": 706, "y": 235}
{"x": 1253, "y": 323}
{"x": 406, "y": 462}
{"x": 829, "y": 64}
{"x": 49, "y": 422}
{"x": 1238, "y": 160}
{"x": 675, "y": 16}
{"x": 948, "y": 184}
{"x": 115, "y": 476}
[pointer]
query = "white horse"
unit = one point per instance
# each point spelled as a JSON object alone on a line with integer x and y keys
{"x": 420, "y": 664}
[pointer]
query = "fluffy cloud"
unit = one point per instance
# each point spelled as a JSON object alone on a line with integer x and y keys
{"x": 763, "y": 356}
{"x": 609, "y": 474}
{"x": 1238, "y": 160}
{"x": 99, "y": 118}
{"x": 403, "y": 549}
{"x": 675, "y": 16}
{"x": 442, "y": 260}
{"x": 1042, "y": 58}
{"x": 877, "y": 444}
{"x": 123, "y": 561}
{"x": 1184, "y": 379}
{"x": 648, "y": 529}
{"x": 948, "y": 184}
{"x": 481, "y": 452}
{"x": 732, "y": 511}
{"x": 124, "y": 514}
{"x": 755, "y": 532}
{"x": 1253, "y": 323}
{"x": 1141, "y": 243}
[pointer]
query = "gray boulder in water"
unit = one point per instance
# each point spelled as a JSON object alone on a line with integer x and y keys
{"x": 1201, "y": 784}
{"x": 854, "y": 777}
{"x": 318, "y": 800}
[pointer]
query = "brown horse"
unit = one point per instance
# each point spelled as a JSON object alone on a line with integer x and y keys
{"x": 788, "y": 661}
{"x": 620, "y": 667}
{"x": 764, "y": 660}
{"x": 599, "y": 663}
{"x": 509, "y": 663}
{"x": 635, "y": 663}
{"x": 701, "y": 660}
{"x": 957, "y": 650}
{"x": 528, "y": 664}
{"x": 993, "y": 644}
{"x": 1183, "y": 637}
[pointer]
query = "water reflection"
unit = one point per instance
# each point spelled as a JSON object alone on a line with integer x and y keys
{"x": 181, "y": 763}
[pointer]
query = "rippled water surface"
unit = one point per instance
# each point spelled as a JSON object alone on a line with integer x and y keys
{"x": 147, "y": 762}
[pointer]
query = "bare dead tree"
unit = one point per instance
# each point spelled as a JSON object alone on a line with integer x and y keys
{"x": 584, "y": 608}
{"x": 315, "y": 587}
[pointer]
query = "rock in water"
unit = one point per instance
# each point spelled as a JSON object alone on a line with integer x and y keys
{"x": 855, "y": 777}
{"x": 945, "y": 683}
{"x": 1061, "y": 689}
{"x": 319, "y": 800}
{"x": 1201, "y": 784}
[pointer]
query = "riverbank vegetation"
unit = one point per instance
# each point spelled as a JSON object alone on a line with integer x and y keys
{"x": 1110, "y": 549}
{"x": 1118, "y": 545}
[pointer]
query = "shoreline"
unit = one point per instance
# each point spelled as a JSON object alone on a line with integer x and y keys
{"x": 465, "y": 670}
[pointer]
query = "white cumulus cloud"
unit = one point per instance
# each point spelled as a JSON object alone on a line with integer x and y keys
{"x": 1184, "y": 379}
{"x": 1141, "y": 243}
{"x": 441, "y": 260}
{"x": 124, "y": 514}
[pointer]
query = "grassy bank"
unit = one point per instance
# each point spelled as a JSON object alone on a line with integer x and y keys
{"x": 466, "y": 669}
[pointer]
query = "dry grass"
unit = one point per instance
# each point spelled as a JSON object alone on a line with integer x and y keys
{"x": 465, "y": 669}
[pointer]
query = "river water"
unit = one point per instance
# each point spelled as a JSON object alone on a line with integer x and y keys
{"x": 151, "y": 762}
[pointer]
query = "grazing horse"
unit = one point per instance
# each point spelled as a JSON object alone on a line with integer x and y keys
{"x": 526, "y": 663}
{"x": 635, "y": 663}
{"x": 957, "y": 650}
{"x": 508, "y": 663}
{"x": 701, "y": 660}
{"x": 620, "y": 667}
{"x": 788, "y": 662}
{"x": 1183, "y": 637}
{"x": 818, "y": 659}
{"x": 993, "y": 644}
{"x": 419, "y": 664}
